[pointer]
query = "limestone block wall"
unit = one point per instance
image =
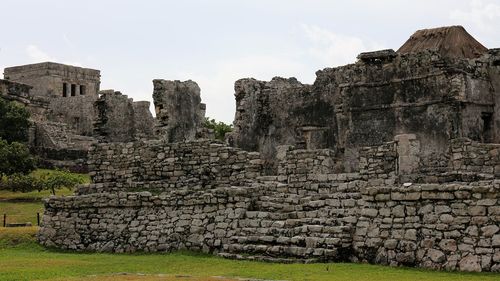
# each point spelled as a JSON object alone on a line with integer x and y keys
{"x": 473, "y": 157}
{"x": 378, "y": 161}
{"x": 157, "y": 165}
{"x": 448, "y": 226}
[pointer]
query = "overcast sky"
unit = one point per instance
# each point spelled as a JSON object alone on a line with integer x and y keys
{"x": 217, "y": 42}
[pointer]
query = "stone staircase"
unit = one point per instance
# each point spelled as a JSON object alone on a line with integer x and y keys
{"x": 293, "y": 227}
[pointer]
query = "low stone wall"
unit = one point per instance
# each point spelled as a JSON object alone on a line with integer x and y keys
{"x": 447, "y": 226}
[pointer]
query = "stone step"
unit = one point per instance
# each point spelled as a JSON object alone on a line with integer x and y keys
{"x": 280, "y": 250}
{"x": 266, "y": 258}
{"x": 310, "y": 240}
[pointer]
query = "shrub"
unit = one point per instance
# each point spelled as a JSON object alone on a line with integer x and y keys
{"x": 20, "y": 183}
{"x": 60, "y": 179}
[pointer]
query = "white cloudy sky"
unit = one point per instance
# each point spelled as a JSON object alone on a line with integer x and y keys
{"x": 216, "y": 42}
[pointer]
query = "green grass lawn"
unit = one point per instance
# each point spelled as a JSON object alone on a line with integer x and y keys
{"x": 21, "y": 212}
{"x": 23, "y": 259}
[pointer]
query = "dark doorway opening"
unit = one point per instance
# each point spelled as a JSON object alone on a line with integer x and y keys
{"x": 487, "y": 126}
{"x": 65, "y": 90}
{"x": 73, "y": 90}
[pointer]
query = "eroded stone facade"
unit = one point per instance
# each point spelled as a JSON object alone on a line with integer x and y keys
{"x": 383, "y": 94}
{"x": 179, "y": 111}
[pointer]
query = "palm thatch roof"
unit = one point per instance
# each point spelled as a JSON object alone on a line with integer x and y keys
{"x": 449, "y": 41}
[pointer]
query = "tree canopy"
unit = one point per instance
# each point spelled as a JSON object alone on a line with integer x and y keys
{"x": 14, "y": 121}
{"x": 15, "y": 157}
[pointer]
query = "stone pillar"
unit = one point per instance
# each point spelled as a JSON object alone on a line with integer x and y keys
{"x": 178, "y": 109}
{"x": 408, "y": 149}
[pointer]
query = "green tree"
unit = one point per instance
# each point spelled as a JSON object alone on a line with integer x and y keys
{"x": 14, "y": 121}
{"x": 60, "y": 179}
{"x": 15, "y": 158}
{"x": 220, "y": 128}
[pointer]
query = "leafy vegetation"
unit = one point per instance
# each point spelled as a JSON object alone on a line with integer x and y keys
{"x": 15, "y": 158}
{"x": 21, "y": 207}
{"x": 220, "y": 128}
{"x": 51, "y": 181}
{"x": 14, "y": 121}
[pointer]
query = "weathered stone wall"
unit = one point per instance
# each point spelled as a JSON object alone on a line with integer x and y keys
{"x": 200, "y": 195}
{"x": 448, "y": 226}
{"x": 179, "y": 111}
{"x": 475, "y": 158}
{"x": 163, "y": 166}
{"x": 78, "y": 112}
{"x": 121, "y": 119}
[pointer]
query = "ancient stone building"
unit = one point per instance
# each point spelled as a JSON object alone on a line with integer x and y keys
{"x": 69, "y": 112}
{"x": 71, "y": 91}
{"x": 441, "y": 84}
{"x": 392, "y": 160}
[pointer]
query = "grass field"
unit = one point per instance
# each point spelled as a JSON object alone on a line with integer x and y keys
{"x": 21, "y": 212}
{"x": 22, "y": 259}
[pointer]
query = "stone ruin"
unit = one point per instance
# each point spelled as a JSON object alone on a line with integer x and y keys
{"x": 69, "y": 112}
{"x": 393, "y": 160}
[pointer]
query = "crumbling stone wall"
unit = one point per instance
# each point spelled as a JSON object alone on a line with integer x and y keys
{"x": 119, "y": 118}
{"x": 278, "y": 112}
{"x": 179, "y": 111}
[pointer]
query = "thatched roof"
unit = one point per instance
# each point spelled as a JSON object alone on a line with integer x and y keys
{"x": 449, "y": 41}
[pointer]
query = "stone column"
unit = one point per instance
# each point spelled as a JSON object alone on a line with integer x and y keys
{"x": 408, "y": 149}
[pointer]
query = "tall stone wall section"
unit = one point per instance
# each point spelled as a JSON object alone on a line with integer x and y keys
{"x": 120, "y": 119}
{"x": 179, "y": 111}
{"x": 160, "y": 196}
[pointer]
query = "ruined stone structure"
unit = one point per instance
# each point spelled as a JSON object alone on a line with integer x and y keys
{"x": 120, "y": 119}
{"x": 179, "y": 110}
{"x": 392, "y": 160}
{"x": 69, "y": 112}
{"x": 416, "y": 90}
{"x": 71, "y": 91}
